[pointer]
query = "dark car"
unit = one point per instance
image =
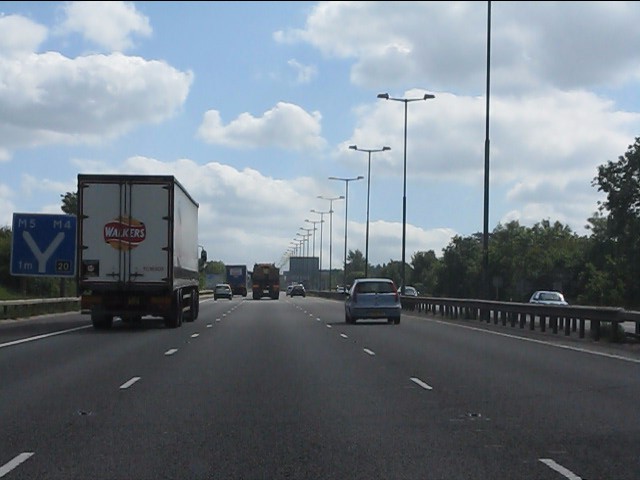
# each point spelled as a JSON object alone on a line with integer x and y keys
{"x": 222, "y": 290}
{"x": 373, "y": 298}
{"x": 298, "y": 290}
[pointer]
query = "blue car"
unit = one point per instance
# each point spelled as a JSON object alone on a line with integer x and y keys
{"x": 373, "y": 298}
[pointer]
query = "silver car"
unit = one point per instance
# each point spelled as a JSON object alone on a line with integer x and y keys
{"x": 373, "y": 298}
{"x": 548, "y": 297}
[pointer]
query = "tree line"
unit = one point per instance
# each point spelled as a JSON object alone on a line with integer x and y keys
{"x": 601, "y": 268}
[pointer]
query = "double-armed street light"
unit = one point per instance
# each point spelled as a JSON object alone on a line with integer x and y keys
{"x": 322, "y": 214}
{"x": 313, "y": 254}
{"x": 304, "y": 239}
{"x": 307, "y": 236}
{"x": 386, "y": 96}
{"x": 366, "y": 244}
{"x": 346, "y": 211}
{"x": 331, "y": 200}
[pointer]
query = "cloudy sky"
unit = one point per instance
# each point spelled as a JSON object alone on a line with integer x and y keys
{"x": 253, "y": 106}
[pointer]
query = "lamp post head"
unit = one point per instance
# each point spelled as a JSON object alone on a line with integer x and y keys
{"x": 386, "y": 148}
{"x": 353, "y": 147}
{"x": 383, "y": 95}
{"x": 427, "y": 96}
{"x": 360, "y": 177}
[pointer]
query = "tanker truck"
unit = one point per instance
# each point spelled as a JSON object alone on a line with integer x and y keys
{"x": 137, "y": 249}
{"x": 265, "y": 281}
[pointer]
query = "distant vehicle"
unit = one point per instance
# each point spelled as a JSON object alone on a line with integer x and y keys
{"x": 340, "y": 289}
{"x": 410, "y": 291}
{"x": 137, "y": 249}
{"x": 289, "y": 288}
{"x": 265, "y": 281}
{"x": 373, "y": 298}
{"x": 298, "y": 290}
{"x": 548, "y": 297}
{"x": 237, "y": 278}
{"x": 222, "y": 290}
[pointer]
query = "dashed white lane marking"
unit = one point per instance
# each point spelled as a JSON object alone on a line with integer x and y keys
{"x": 129, "y": 383}
{"x": 209, "y": 325}
{"x": 195, "y": 335}
{"x": 318, "y": 319}
{"x": 171, "y": 351}
{"x": 218, "y": 319}
{"x": 419, "y": 382}
{"x": 343, "y": 335}
{"x": 560, "y": 469}
{"x": 328, "y": 326}
{"x": 40, "y": 337}
{"x": 7, "y": 467}
{"x": 366, "y": 350}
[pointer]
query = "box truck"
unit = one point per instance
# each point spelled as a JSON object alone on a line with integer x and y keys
{"x": 265, "y": 280}
{"x": 137, "y": 241}
{"x": 237, "y": 279}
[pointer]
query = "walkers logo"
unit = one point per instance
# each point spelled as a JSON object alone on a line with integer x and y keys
{"x": 125, "y": 233}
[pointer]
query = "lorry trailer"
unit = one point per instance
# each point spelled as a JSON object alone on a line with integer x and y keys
{"x": 137, "y": 249}
{"x": 237, "y": 279}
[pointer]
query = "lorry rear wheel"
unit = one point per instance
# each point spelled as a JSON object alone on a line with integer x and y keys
{"x": 174, "y": 319}
{"x": 101, "y": 321}
{"x": 192, "y": 314}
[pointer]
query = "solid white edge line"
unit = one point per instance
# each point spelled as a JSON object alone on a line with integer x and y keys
{"x": 560, "y": 469}
{"x": 419, "y": 382}
{"x": 542, "y": 342}
{"x": 129, "y": 383}
{"x": 45, "y": 335}
{"x": 7, "y": 467}
{"x": 171, "y": 351}
{"x": 370, "y": 352}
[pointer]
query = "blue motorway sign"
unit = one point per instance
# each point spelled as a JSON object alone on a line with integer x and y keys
{"x": 43, "y": 245}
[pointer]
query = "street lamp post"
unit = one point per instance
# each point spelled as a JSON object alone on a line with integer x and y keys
{"x": 306, "y": 262}
{"x": 322, "y": 214}
{"x": 366, "y": 243}
{"x": 331, "y": 200}
{"x": 386, "y": 96}
{"x": 346, "y": 210}
{"x": 313, "y": 254}
{"x": 307, "y": 236}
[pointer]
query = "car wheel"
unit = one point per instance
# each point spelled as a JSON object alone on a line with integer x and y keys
{"x": 397, "y": 321}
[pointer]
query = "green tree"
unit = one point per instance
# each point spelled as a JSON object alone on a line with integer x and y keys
{"x": 461, "y": 267}
{"x": 393, "y": 270}
{"x": 620, "y": 181}
{"x": 355, "y": 265}
{"x": 425, "y": 272}
{"x": 70, "y": 203}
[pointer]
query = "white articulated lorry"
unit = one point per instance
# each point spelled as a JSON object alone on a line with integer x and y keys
{"x": 137, "y": 249}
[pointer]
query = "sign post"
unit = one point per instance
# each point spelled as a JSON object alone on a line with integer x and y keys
{"x": 43, "y": 245}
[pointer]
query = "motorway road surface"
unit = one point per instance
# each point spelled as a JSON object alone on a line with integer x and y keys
{"x": 284, "y": 389}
